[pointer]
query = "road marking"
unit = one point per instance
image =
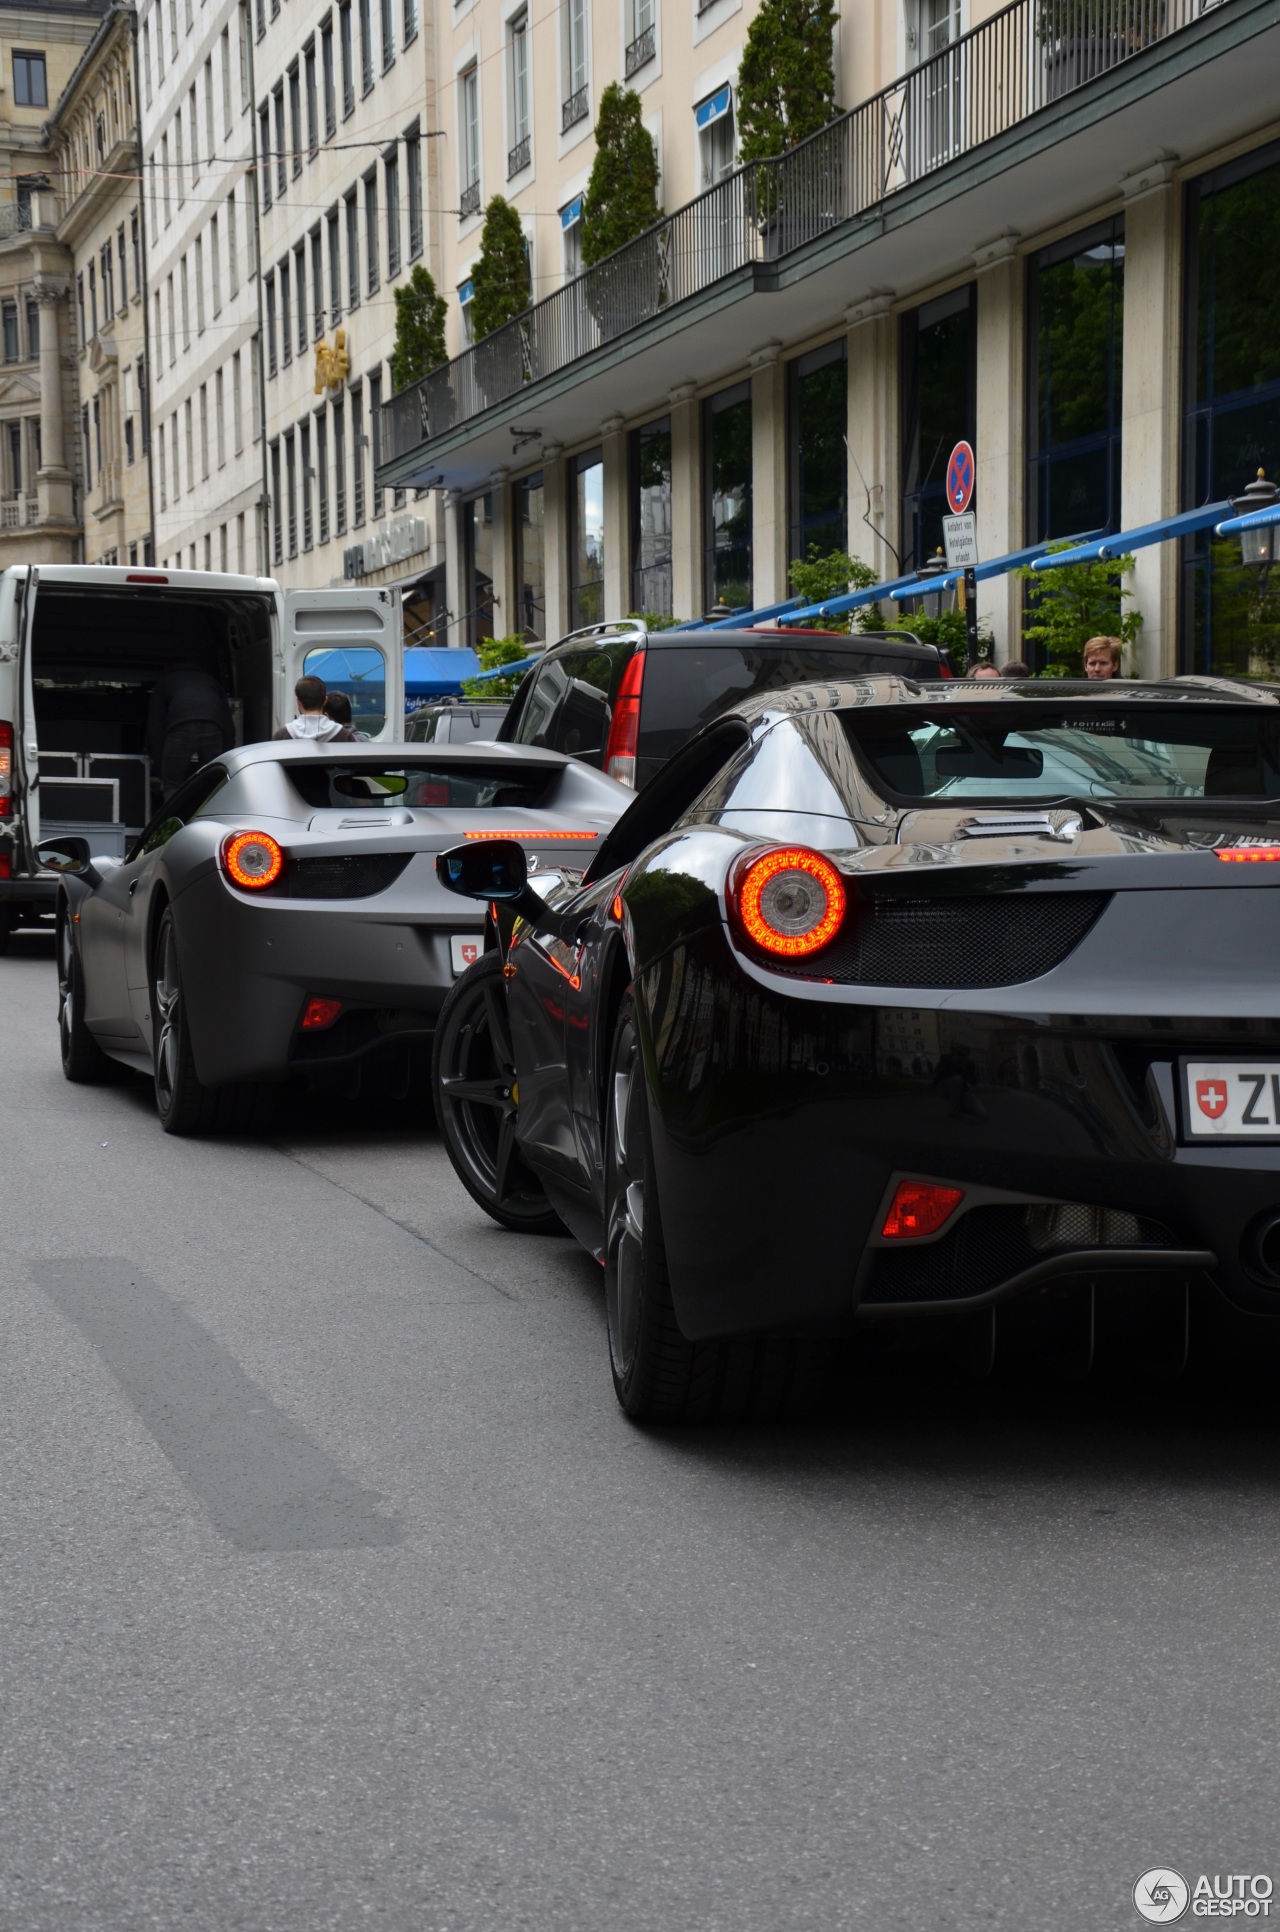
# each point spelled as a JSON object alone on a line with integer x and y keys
{"x": 264, "y": 1482}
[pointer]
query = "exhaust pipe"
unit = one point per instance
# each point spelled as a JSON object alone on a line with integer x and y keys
{"x": 1261, "y": 1249}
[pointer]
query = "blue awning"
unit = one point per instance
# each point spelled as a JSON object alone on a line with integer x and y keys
{"x": 997, "y": 567}
{"x": 503, "y": 670}
{"x": 913, "y": 585}
{"x": 1124, "y": 541}
{"x": 571, "y": 214}
{"x": 714, "y": 108}
{"x": 432, "y": 671}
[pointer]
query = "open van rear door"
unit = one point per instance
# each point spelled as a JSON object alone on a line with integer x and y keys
{"x": 17, "y": 622}
{"x": 354, "y": 640}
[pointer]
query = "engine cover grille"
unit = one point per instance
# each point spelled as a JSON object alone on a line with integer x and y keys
{"x": 342, "y": 876}
{"x": 988, "y": 941}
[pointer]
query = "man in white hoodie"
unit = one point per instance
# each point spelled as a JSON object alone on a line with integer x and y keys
{"x": 311, "y": 721}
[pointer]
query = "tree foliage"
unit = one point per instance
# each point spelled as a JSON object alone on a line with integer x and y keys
{"x": 622, "y": 195}
{"x": 493, "y": 652}
{"x": 787, "y": 80}
{"x": 420, "y": 314}
{"x": 823, "y": 574}
{"x": 500, "y": 284}
{"x": 1066, "y": 607}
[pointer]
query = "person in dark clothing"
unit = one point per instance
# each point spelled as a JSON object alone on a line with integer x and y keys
{"x": 338, "y": 707}
{"x": 313, "y": 721}
{"x": 188, "y": 724}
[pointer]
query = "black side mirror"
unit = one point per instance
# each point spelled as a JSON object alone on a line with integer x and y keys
{"x": 497, "y": 869}
{"x": 64, "y": 855}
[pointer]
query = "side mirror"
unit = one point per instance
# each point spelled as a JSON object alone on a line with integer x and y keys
{"x": 64, "y": 855}
{"x": 496, "y": 869}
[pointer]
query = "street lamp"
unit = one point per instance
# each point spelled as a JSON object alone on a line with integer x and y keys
{"x": 1257, "y": 546}
{"x": 931, "y": 600}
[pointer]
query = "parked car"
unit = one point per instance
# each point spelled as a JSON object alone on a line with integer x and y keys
{"x": 857, "y": 1016}
{"x": 624, "y": 698}
{"x": 454, "y": 721}
{"x": 280, "y": 916}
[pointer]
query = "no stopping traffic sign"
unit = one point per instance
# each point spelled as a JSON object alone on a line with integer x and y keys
{"x": 961, "y": 476}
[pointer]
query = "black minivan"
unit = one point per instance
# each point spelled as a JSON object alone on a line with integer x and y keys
{"x": 624, "y": 698}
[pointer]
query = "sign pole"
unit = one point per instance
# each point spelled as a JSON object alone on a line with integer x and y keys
{"x": 971, "y": 614}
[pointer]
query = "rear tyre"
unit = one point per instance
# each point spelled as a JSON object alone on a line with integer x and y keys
{"x": 83, "y": 1060}
{"x": 8, "y": 920}
{"x": 185, "y": 1105}
{"x": 658, "y": 1374}
{"x": 476, "y": 1099}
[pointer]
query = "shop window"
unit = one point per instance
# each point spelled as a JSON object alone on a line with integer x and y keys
{"x": 530, "y": 545}
{"x": 938, "y": 406}
{"x": 726, "y": 444}
{"x": 586, "y": 539}
{"x": 651, "y": 518}
{"x": 1075, "y": 323}
{"x": 30, "y": 86}
{"x": 477, "y": 531}
{"x": 817, "y": 386}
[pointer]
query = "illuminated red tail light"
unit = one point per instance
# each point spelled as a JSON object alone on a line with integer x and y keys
{"x": 6, "y": 770}
{"x": 918, "y": 1208}
{"x": 317, "y": 1014}
{"x": 624, "y": 726}
{"x": 790, "y": 901}
{"x": 1238, "y": 852}
{"x": 252, "y": 859}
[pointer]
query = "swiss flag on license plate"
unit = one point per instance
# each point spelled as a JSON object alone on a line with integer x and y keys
{"x": 1211, "y": 1097}
{"x": 466, "y": 949}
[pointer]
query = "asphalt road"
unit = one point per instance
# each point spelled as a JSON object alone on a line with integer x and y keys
{"x": 336, "y": 1592}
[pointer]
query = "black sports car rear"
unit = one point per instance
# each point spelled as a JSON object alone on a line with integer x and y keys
{"x": 885, "y": 999}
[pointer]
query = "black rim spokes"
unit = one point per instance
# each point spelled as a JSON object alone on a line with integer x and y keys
{"x": 626, "y": 1218}
{"x": 167, "y": 1002}
{"x": 481, "y": 1092}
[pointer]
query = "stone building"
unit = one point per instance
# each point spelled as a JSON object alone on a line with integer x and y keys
{"x": 95, "y": 162}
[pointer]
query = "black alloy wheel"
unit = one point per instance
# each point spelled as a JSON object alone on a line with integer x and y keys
{"x": 477, "y": 1099}
{"x": 185, "y": 1105}
{"x": 83, "y": 1060}
{"x": 658, "y": 1374}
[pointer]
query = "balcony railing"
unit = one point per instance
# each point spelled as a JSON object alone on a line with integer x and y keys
{"x": 1020, "y": 60}
{"x": 518, "y": 157}
{"x": 575, "y": 109}
{"x": 17, "y": 511}
{"x": 640, "y": 50}
{"x": 469, "y": 201}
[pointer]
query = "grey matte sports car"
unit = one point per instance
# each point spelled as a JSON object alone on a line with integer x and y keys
{"x": 281, "y": 916}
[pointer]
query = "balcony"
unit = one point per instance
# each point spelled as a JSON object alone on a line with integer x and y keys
{"x": 16, "y": 512}
{"x": 469, "y": 200}
{"x": 575, "y": 109}
{"x": 518, "y": 157}
{"x": 1014, "y": 126}
{"x": 641, "y": 51}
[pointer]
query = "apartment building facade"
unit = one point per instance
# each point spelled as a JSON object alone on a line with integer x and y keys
{"x": 1048, "y": 229}
{"x": 96, "y": 162}
{"x": 41, "y": 46}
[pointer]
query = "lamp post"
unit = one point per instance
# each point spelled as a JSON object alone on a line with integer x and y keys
{"x": 1257, "y": 546}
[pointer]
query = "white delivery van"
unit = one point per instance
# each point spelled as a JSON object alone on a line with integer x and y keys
{"x": 83, "y": 645}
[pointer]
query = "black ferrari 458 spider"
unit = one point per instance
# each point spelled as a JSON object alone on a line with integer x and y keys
{"x": 885, "y": 1001}
{"x": 280, "y": 916}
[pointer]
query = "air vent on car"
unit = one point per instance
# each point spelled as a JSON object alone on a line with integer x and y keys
{"x": 965, "y": 941}
{"x": 1027, "y": 825}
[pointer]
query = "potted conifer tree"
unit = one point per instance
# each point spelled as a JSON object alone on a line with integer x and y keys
{"x": 420, "y": 348}
{"x": 621, "y": 205}
{"x": 501, "y": 291}
{"x": 787, "y": 92}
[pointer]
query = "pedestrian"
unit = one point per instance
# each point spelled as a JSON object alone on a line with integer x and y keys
{"x": 984, "y": 670}
{"x": 312, "y": 721}
{"x": 337, "y": 706}
{"x": 1102, "y": 657}
{"x": 188, "y": 723}
{"x": 1015, "y": 668}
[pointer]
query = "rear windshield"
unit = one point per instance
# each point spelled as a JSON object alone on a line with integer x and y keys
{"x": 1068, "y": 750}
{"x": 377, "y": 788}
{"x": 684, "y": 689}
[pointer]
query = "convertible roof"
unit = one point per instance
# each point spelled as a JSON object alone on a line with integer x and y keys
{"x": 857, "y": 694}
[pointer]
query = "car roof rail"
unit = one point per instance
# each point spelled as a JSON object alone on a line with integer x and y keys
{"x": 612, "y": 627}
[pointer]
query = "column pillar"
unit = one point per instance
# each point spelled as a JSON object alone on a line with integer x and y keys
{"x": 617, "y": 560}
{"x": 999, "y": 432}
{"x": 54, "y": 481}
{"x": 555, "y": 541}
{"x": 1149, "y": 406}
{"x": 506, "y": 605}
{"x": 688, "y": 594}
{"x": 456, "y": 591}
{"x": 769, "y": 518}
{"x": 872, "y": 433}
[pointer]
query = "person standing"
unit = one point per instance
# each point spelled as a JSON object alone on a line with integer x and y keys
{"x": 1102, "y": 657}
{"x": 312, "y": 720}
{"x": 188, "y": 723}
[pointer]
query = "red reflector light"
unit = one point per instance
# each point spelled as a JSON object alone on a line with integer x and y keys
{"x": 317, "y": 1014}
{"x": 6, "y": 770}
{"x": 624, "y": 726}
{"x": 1238, "y": 852}
{"x": 503, "y": 833}
{"x": 6, "y": 866}
{"x": 919, "y": 1207}
{"x": 790, "y": 901}
{"x": 135, "y": 578}
{"x": 252, "y": 859}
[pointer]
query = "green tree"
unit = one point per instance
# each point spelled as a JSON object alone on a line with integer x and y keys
{"x": 1066, "y": 607}
{"x": 493, "y": 652}
{"x": 820, "y": 575}
{"x": 420, "y": 314}
{"x": 622, "y": 195}
{"x": 948, "y": 631}
{"x": 500, "y": 283}
{"x": 787, "y": 80}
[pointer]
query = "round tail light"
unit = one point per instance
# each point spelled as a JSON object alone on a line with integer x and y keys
{"x": 790, "y": 902}
{"x": 252, "y": 859}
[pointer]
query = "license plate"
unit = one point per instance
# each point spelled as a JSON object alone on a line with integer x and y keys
{"x": 466, "y": 949}
{"x": 1231, "y": 1099}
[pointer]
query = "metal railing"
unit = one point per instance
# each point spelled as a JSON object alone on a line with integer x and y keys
{"x": 575, "y": 109}
{"x": 1020, "y": 60}
{"x": 17, "y": 511}
{"x": 518, "y": 157}
{"x": 469, "y": 200}
{"x": 640, "y": 50}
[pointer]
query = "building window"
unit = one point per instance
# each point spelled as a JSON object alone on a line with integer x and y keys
{"x": 264, "y": 155}
{"x": 413, "y": 186}
{"x": 135, "y": 244}
{"x": 371, "y": 230}
{"x": 190, "y": 439}
{"x": 237, "y": 435}
{"x": 348, "y": 60}
{"x": 477, "y": 537}
{"x": 12, "y": 347}
{"x": 33, "y": 329}
{"x": 215, "y": 267}
{"x": 199, "y": 285}
{"x": 642, "y": 44}
{"x": 717, "y": 142}
{"x": 1075, "y": 325}
{"x": 204, "y": 431}
{"x": 282, "y": 171}
{"x": 93, "y": 297}
{"x": 938, "y": 362}
{"x": 651, "y": 518}
{"x": 586, "y": 539}
{"x": 108, "y": 283}
{"x": 179, "y": 167}
{"x": 30, "y": 88}
{"x": 220, "y": 416}
{"x": 366, "y": 45}
{"x": 339, "y": 470}
{"x": 122, "y": 256}
{"x": 726, "y": 443}
{"x": 1231, "y": 399}
{"x": 15, "y": 459}
{"x": 530, "y": 557}
{"x": 375, "y": 432}
{"x": 300, "y": 295}
{"x": 286, "y": 316}
{"x": 576, "y": 105}
{"x": 322, "y": 476}
{"x": 469, "y": 127}
{"x": 465, "y": 294}
{"x": 353, "y": 251}
{"x": 327, "y": 76}
{"x": 295, "y": 119}
{"x": 359, "y": 443}
{"x": 226, "y": 80}
{"x": 410, "y": 21}
{"x": 391, "y": 186}
{"x": 335, "y": 266}
{"x": 277, "y": 523}
{"x": 291, "y": 492}
{"x": 518, "y": 152}
{"x": 305, "y": 479}
{"x": 269, "y": 292}
{"x": 317, "y": 284}
{"x": 313, "y": 103}
{"x": 571, "y": 238}
{"x": 233, "y": 265}
{"x": 388, "y": 25}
